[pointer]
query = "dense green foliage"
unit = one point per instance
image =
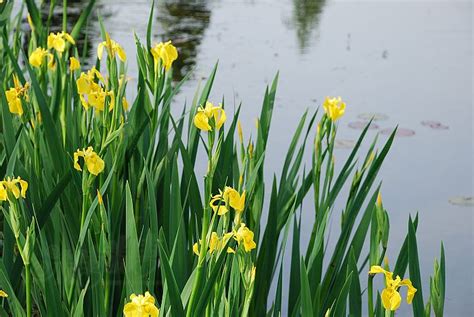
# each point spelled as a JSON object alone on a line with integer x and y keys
{"x": 80, "y": 244}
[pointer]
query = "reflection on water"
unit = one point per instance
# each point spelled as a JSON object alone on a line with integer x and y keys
{"x": 305, "y": 20}
{"x": 185, "y": 23}
{"x": 74, "y": 10}
{"x": 54, "y": 19}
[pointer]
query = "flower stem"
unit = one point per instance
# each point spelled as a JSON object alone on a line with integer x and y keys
{"x": 83, "y": 215}
{"x": 205, "y": 227}
{"x": 28, "y": 290}
{"x": 107, "y": 292}
{"x": 370, "y": 296}
{"x": 85, "y": 195}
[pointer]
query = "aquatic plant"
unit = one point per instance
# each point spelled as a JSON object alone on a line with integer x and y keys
{"x": 104, "y": 212}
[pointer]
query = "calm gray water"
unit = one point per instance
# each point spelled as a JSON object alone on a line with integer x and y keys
{"x": 411, "y": 61}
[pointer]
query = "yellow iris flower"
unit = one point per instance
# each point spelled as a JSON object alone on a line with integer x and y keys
{"x": 113, "y": 48}
{"x": 201, "y": 121}
{"x": 58, "y": 41}
{"x": 16, "y": 186}
{"x": 37, "y": 56}
{"x": 97, "y": 98}
{"x": 92, "y": 93}
{"x": 165, "y": 52}
{"x": 391, "y": 298}
{"x": 209, "y": 115}
{"x": 3, "y": 294}
{"x": 141, "y": 306}
{"x": 213, "y": 242}
{"x": 216, "y": 243}
{"x": 94, "y": 163}
{"x": 245, "y": 235}
{"x": 74, "y": 64}
{"x": 230, "y": 197}
{"x": 14, "y": 94}
{"x": 235, "y": 200}
{"x": 334, "y": 107}
{"x": 218, "y": 205}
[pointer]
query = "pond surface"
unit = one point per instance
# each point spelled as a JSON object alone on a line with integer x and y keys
{"x": 408, "y": 62}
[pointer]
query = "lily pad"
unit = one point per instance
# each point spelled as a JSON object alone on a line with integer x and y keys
{"x": 374, "y": 116}
{"x": 402, "y": 132}
{"x": 467, "y": 201}
{"x": 344, "y": 144}
{"x": 360, "y": 125}
{"x": 435, "y": 125}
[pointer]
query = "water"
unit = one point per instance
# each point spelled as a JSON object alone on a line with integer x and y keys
{"x": 411, "y": 61}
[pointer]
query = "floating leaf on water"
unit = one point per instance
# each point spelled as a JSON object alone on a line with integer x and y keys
{"x": 462, "y": 201}
{"x": 360, "y": 125}
{"x": 374, "y": 116}
{"x": 435, "y": 125}
{"x": 400, "y": 132}
{"x": 344, "y": 144}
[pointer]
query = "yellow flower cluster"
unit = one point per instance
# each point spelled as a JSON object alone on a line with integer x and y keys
{"x": 3, "y": 294}
{"x": 391, "y": 298}
{"x": 58, "y": 41}
{"x": 15, "y": 186}
{"x": 245, "y": 236}
{"x": 92, "y": 93}
{"x": 216, "y": 243}
{"x": 113, "y": 48}
{"x": 334, "y": 107}
{"x": 209, "y": 117}
{"x": 166, "y": 53}
{"x": 141, "y": 306}
{"x": 14, "y": 96}
{"x": 94, "y": 163}
{"x": 221, "y": 202}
